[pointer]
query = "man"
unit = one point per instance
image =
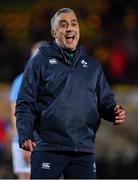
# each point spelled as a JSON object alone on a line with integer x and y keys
{"x": 63, "y": 95}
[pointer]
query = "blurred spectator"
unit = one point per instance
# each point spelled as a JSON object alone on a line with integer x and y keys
{"x": 117, "y": 64}
{"x": 9, "y": 56}
{"x": 4, "y": 145}
{"x": 20, "y": 158}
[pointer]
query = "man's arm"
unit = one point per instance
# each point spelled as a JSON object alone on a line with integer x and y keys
{"x": 25, "y": 107}
{"x": 13, "y": 119}
{"x": 26, "y": 154}
{"x": 108, "y": 108}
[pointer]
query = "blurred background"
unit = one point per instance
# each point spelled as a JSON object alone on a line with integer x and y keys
{"x": 109, "y": 31}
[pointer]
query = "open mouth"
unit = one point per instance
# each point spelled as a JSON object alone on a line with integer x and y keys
{"x": 70, "y": 39}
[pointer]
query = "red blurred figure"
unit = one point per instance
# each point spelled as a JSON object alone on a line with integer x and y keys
{"x": 4, "y": 145}
{"x": 117, "y": 63}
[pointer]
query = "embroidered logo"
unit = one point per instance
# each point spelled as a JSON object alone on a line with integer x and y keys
{"x": 84, "y": 63}
{"x": 46, "y": 165}
{"x": 53, "y": 61}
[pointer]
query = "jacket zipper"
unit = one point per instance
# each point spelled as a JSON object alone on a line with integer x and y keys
{"x": 76, "y": 141}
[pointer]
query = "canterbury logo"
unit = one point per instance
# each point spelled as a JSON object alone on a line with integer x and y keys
{"x": 46, "y": 165}
{"x": 53, "y": 61}
{"x": 84, "y": 63}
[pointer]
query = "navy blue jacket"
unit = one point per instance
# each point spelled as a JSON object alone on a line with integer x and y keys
{"x": 63, "y": 102}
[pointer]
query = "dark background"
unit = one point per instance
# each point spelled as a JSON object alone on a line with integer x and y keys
{"x": 109, "y": 31}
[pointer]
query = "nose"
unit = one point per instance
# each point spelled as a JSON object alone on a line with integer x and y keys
{"x": 69, "y": 27}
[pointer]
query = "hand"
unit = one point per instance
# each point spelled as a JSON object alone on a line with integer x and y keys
{"x": 28, "y": 145}
{"x": 120, "y": 115}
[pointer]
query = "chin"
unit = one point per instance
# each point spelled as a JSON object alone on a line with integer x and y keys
{"x": 71, "y": 47}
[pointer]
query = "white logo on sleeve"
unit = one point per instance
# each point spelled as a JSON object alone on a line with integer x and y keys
{"x": 84, "y": 63}
{"x": 46, "y": 165}
{"x": 53, "y": 61}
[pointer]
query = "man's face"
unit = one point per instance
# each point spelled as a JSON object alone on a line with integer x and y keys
{"x": 66, "y": 31}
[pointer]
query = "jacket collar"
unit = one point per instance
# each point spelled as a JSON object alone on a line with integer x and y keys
{"x": 53, "y": 50}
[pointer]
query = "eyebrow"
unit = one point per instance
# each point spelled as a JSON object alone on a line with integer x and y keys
{"x": 73, "y": 20}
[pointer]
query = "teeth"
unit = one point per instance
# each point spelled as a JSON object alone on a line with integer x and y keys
{"x": 70, "y": 37}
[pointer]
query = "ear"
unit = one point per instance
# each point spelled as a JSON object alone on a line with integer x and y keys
{"x": 53, "y": 33}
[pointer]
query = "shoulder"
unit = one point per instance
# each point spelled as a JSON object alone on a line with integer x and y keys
{"x": 15, "y": 87}
{"x": 42, "y": 56}
{"x": 17, "y": 81}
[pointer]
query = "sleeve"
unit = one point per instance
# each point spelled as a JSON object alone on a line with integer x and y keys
{"x": 106, "y": 102}
{"x": 25, "y": 104}
{"x": 15, "y": 88}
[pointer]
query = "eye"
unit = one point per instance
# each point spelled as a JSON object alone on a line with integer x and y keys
{"x": 63, "y": 25}
{"x": 74, "y": 24}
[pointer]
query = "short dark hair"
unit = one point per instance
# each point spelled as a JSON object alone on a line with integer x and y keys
{"x": 60, "y": 11}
